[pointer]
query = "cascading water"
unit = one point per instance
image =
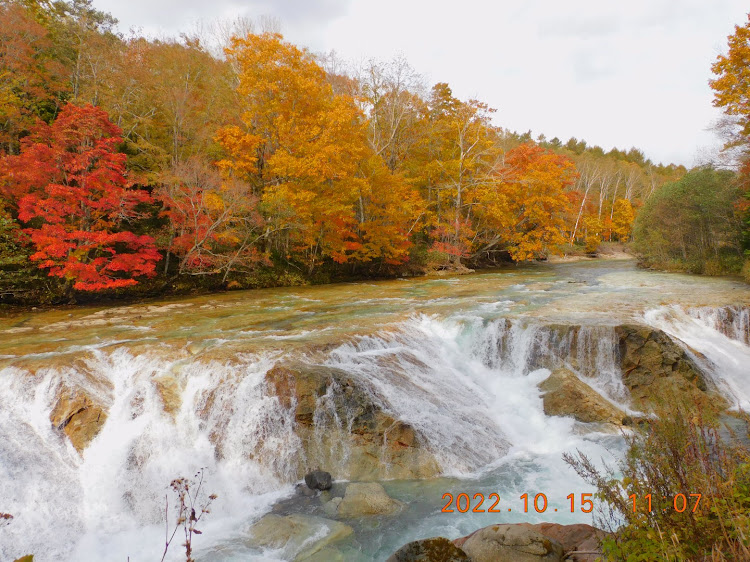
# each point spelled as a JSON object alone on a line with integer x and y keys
{"x": 717, "y": 339}
{"x": 464, "y": 376}
{"x": 468, "y": 387}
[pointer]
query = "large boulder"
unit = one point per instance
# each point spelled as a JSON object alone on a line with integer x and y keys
{"x": 654, "y": 366}
{"x": 344, "y": 427}
{"x": 300, "y": 537}
{"x": 363, "y": 499}
{"x": 438, "y": 549}
{"x": 510, "y": 543}
{"x": 567, "y": 395}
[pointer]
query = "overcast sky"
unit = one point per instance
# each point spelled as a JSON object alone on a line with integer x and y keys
{"x": 612, "y": 73}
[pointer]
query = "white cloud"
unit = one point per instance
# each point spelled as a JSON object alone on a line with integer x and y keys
{"x": 612, "y": 73}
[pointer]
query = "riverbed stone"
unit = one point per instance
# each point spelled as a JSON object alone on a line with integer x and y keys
{"x": 510, "y": 543}
{"x": 567, "y": 395}
{"x": 364, "y": 499}
{"x": 438, "y": 549}
{"x": 342, "y": 426}
{"x": 318, "y": 480}
{"x": 296, "y": 533}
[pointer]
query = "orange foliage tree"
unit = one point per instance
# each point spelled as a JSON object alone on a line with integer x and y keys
{"x": 527, "y": 207}
{"x": 299, "y": 146}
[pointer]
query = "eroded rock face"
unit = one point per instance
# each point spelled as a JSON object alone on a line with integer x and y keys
{"x": 510, "y": 543}
{"x": 438, "y": 549}
{"x": 344, "y": 429}
{"x": 567, "y": 395}
{"x": 80, "y": 410}
{"x": 654, "y": 365}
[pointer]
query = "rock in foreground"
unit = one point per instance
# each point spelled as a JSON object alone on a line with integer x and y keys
{"x": 573, "y": 538}
{"x": 438, "y": 549}
{"x": 510, "y": 543}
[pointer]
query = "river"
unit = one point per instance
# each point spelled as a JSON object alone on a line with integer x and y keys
{"x": 455, "y": 358}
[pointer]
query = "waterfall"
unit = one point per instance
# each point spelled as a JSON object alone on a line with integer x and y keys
{"x": 732, "y": 321}
{"x": 717, "y": 338}
{"x": 466, "y": 384}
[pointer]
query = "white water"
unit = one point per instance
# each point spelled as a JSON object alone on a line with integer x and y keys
{"x": 722, "y": 339}
{"x": 465, "y": 383}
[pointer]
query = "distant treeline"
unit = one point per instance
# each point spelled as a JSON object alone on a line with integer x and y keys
{"x": 232, "y": 158}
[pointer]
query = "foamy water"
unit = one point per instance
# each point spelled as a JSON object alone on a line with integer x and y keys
{"x": 465, "y": 378}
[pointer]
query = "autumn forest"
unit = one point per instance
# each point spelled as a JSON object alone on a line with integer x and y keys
{"x": 232, "y": 158}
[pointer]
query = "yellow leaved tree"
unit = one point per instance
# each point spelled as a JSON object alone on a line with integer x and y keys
{"x": 299, "y": 146}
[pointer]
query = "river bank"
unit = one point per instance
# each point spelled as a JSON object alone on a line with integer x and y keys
{"x": 37, "y": 290}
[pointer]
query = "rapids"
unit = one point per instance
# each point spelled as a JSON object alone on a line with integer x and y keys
{"x": 456, "y": 358}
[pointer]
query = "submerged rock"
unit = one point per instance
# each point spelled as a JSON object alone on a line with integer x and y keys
{"x": 301, "y": 537}
{"x": 438, "y": 549}
{"x": 567, "y": 395}
{"x": 510, "y": 543}
{"x": 341, "y": 425}
{"x": 318, "y": 480}
{"x": 367, "y": 498}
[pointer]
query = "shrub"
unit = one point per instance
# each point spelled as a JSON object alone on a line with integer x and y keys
{"x": 683, "y": 452}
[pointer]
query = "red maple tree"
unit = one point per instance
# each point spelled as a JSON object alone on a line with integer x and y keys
{"x": 71, "y": 192}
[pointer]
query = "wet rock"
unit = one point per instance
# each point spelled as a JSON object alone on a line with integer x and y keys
{"x": 429, "y": 550}
{"x": 318, "y": 480}
{"x": 80, "y": 410}
{"x": 510, "y": 543}
{"x": 567, "y": 395}
{"x": 367, "y": 498}
{"x": 653, "y": 365}
{"x": 168, "y": 388}
{"x": 342, "y": 426}
{"x": 299, "y": 536}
